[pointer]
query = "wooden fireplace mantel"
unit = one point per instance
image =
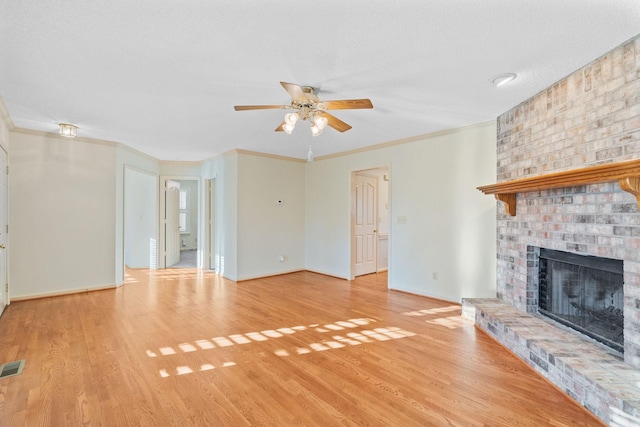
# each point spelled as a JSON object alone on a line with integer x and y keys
{"x": 627, "y": 174}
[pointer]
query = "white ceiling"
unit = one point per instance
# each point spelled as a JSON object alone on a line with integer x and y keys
{"x": 163, "y": 76}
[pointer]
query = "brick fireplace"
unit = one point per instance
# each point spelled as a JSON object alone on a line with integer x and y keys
{"x": 591, "y": 117}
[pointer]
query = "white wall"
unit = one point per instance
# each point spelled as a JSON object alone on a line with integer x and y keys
{"x": 268, "y": 230}
{"x": 383, "y": 202}
{"x": 140, "y": 219}
{"x": 224, "y": 169}
{"x": 176, "y": 169}
{"x": 252, "y": 230}
{"x": 5, "y": 125}
{"x": 450, "y": 226}
{"x": 62, "y": 195}
{"x": 128, "y": 158}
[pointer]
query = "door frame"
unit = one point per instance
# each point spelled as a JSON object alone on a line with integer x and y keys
{"x": 171, "y": 252}
{"x": 200, "y": 235}
{"x": 155, "y": 176}
{"x": 4, "y": 251}
{"x": 211, "y": 248}
{"x": 352, "y": 195}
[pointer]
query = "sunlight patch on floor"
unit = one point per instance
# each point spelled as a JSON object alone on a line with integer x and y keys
{"x": 432, "y": 311}
{"x": 452, "y": 322}
{"x": 187, "y": 348}
{"x": 353, "y": 338}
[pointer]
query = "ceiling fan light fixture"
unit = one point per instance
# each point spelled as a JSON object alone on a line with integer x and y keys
{"x": 315, "y": 130}
{"x": 291, "y": 118}
{"x": 68, "y": 130}
{"x": 288, "y": 127}
{"x": 320, "y": 122}
{"x": 503, "y": 79}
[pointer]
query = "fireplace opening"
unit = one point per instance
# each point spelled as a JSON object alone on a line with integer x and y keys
{"x": 584, "y": 293}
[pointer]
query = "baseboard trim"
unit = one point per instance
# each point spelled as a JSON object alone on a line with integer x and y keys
{"x": 61, "y": 293}
{"x": 103, "y": 288}
{"x": 327, "y": 274}
{"x": 426, "y": 296}
{"x": 244, "y": 279}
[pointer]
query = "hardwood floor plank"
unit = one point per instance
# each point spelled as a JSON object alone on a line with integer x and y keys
{"x": 183, "y": 347}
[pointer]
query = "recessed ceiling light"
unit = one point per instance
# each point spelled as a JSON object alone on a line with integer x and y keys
{"x": 502, "y": 79}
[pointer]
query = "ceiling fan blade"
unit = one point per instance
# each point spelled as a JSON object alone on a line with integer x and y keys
{"x": 295, "y": 91}
{"x": 335, "y": 122}
{"x": 347, "y": 104}
{"x": 280, "y": 127}
{"x": 258, "y": 107}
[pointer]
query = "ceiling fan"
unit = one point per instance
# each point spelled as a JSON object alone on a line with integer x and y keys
{"x": 308, "y": 107}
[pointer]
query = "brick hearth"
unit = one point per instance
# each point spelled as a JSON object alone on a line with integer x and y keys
{"x": 592, "y": 375}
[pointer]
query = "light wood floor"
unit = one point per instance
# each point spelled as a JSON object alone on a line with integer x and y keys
{"x": 181, "y": 347}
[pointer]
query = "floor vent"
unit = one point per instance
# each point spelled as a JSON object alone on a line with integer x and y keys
{"x": 11, "y": 368}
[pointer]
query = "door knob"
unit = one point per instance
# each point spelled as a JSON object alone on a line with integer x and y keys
{"x": 2, "y": 246}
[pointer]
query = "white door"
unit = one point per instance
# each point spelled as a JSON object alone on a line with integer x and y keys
{"x": 364, "y": 224}
{"x": 171, "y": 223}
{"x": 4, "y": 286}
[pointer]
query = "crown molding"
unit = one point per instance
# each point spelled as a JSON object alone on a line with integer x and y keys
{"x": 407, "y": 140}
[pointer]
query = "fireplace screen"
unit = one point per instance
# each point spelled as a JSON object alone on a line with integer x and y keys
{"x": 585, "y": 293}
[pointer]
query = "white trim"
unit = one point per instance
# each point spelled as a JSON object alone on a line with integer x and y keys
{"x": 324, "y": 273}
{"x": 262, "y": 276}
{"x": 61, "y": 293}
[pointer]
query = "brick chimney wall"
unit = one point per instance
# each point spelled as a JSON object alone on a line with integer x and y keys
{"x": 591, "y": 117}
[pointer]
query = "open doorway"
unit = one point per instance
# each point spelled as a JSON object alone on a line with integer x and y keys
{"x": 187, "y": 223}
{"x": 180, "y": 222}
{"x": 369, "y": 221}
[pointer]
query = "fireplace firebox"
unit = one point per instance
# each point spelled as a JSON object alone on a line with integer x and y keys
{"x": 584, "y": 293}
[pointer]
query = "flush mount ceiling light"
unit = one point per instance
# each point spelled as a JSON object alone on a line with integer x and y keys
{"x": 503, "y": 79}
{"x": 67, "y": 130}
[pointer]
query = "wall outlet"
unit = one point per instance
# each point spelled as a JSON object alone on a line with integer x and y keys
{"x": 435, "y": 275}
{"x": 402, "y": 220}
